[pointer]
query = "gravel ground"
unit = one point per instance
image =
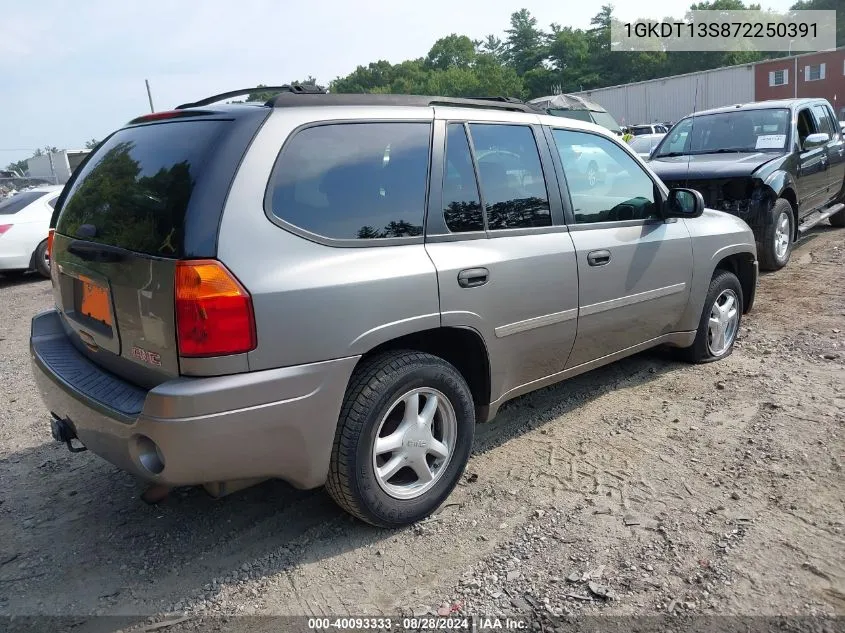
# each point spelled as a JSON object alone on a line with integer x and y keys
{"x": 646, "y": 487}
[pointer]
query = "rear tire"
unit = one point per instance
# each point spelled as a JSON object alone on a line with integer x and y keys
{"x": 775, "y": 244}
{"x": 379, "y": 434}
{"x": 41, "y": 261}
{"x": 724, "y": 303}
{"x": 838, "y": 219}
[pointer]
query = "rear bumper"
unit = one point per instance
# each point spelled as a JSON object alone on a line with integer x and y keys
{"x": 278, "y": 423}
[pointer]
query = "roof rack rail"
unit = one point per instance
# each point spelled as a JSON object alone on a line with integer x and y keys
{"x": 290, "y": 89}
{"x": 287, "y": 100}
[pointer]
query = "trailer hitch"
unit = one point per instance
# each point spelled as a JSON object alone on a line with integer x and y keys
{"x": 63, "y": 431}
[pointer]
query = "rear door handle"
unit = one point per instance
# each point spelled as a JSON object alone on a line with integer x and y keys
{"x": 473, "y": 277}
{"x": 598, "y": 258}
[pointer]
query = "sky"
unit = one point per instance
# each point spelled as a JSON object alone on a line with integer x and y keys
{"x": 72, "y": 71}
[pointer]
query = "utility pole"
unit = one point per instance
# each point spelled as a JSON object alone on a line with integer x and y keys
{"x": 149, "y": 95}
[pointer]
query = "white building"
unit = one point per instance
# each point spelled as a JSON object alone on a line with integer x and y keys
{"x": 56, "y": 166}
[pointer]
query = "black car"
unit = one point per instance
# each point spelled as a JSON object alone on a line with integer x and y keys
{"x": 779, "y": 165}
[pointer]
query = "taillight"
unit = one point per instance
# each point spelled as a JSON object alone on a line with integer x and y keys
{"x": 214, "y": 315}
{"x": 4, "y": 228}
{"x": 50, "y": 243}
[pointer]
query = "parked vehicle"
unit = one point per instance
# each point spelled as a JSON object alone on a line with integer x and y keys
{"x": 575, "y": 107}
{"x": 644, "y": 144}
{"x": 24, "y": 225}
{"x": 235, "y": 303}
{"x": 778, "y": 165}
{"x": 641, "y": 130}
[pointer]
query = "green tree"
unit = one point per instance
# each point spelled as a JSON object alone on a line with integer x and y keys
{"x": 91, "y": 144}
{"x": 525, "y": 43}
{"x": 492, "y": 45}
{"x": 452, "y": 51}
{"x": 807, "y": 5}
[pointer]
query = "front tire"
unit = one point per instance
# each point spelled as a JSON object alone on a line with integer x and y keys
{"x": 403, "y": 438}
{"x": 775, "y": 244}
{"x": 41, "y": 260}
{"x": 720, "y": 320}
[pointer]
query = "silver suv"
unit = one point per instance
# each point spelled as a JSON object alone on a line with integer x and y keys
{"x": 334, "y": 289}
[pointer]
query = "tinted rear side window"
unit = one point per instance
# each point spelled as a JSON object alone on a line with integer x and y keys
{"x": 354, "y": 180}
{"x": 512, "y": 182}
{"x": 461, "y": 203}
{"x": 19, "y": 201}
{"x": 135, "y": 191}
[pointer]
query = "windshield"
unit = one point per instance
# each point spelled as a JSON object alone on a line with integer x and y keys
{"x": 581, "y": 115}
{"x": 606, "y": 120}
{"x": 640, "y": 130}
{"x": 642, "y": 144}
{"x": 740, "y": 131}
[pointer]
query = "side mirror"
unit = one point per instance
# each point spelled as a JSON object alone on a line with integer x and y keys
{"x": 683, "y": 203}
{"x": 816, "y": 140}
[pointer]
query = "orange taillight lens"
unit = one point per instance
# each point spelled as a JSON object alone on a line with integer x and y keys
{"x": 50, "y": 235}
{"x": 214, "y": 315}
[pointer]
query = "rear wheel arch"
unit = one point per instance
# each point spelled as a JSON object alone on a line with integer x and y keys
{"x": 462, "y": 347}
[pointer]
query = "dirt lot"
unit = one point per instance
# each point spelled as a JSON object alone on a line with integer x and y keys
{"x": 713, "y": 489}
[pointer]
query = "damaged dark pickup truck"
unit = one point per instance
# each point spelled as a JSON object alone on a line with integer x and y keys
{"x": 778, "y": 165}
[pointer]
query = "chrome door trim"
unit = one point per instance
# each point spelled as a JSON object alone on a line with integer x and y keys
{"x": 535, "y": 322}
{"x": 628, "y": 300}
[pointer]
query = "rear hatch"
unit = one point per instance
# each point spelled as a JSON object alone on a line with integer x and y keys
{"x": 150, "y": 196}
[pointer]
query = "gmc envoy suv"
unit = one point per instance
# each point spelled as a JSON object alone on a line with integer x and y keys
{"x": 334, "y": 289}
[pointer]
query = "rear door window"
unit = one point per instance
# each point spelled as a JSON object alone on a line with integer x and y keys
{"x": 134, "y": 192}
{"x": 354, "y": 181}
{"x": 18, "y": 201}
{"x": 512, "y": 183}
{"x": 461, "y": 203}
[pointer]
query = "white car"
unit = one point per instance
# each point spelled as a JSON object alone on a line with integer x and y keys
{"x": 644, "y": 144}
{"x": 24, "y": 226}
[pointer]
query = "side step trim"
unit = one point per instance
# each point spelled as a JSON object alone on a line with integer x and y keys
{"x": 821, "y": 216}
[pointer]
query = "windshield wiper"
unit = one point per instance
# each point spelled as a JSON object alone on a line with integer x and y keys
{"x": 733, "y": 150}
{"x": 670, "y": 154}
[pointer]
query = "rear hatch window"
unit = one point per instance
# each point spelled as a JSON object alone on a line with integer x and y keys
{"x": 134, "y": 192}
{"x": 122, "y": 229}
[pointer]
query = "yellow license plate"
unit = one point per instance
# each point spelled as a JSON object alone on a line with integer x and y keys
{"x": 94, "y": 301}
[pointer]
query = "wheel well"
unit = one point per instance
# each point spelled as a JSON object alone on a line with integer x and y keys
{"x": 789, "y": 195}
{"x": 34, "y": 253}
{"x": 741, "y": 265}
{"x": 462, "y": 347}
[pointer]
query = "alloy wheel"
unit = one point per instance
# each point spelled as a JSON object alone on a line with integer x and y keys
{"x": 723, "y": 323}
{"x": 414, "y": 443}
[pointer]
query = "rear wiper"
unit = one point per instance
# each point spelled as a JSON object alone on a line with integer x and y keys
{"x": 97, "y": 252}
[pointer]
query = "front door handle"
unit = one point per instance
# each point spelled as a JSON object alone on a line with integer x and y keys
{"x": 598, "y": 258}
{"x": 473, "y": 277}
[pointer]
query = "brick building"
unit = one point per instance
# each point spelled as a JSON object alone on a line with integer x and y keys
{"x": 810, "y": 75}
